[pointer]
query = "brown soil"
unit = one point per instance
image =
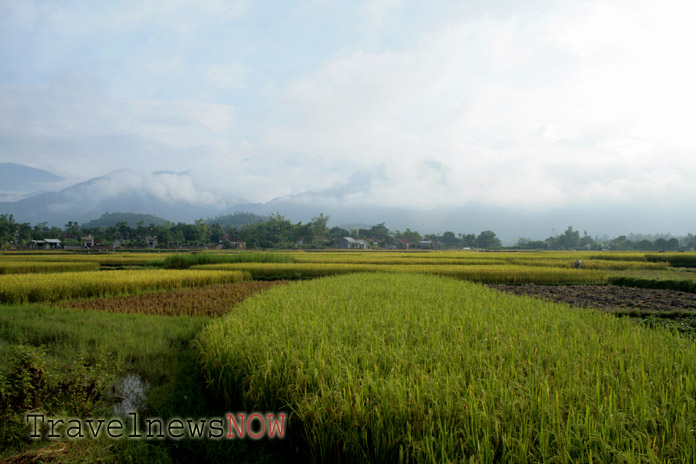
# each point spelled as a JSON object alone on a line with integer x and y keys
{"x": 609, "y": 297}
{"x": 213, "y": 300}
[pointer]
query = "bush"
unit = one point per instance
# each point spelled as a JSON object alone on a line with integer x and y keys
{"x": 24, "y": 381}
{"x": 29, "y": 382}
{"x": 24, "y": 385}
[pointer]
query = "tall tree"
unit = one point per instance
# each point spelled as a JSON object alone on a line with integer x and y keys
{"x": 450, "y": 240}
{"x": 488, "y": 240}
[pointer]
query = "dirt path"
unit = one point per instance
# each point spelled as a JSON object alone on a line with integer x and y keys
{"x": 608, "y": 297}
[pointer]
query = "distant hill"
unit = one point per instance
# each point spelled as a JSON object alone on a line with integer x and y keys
{"x": 238, "y": 219}
{"x": 132, "y": 219}
{"x": 19, "y": 178}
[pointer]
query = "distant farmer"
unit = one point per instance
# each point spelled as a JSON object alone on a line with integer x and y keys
{"x": 577, "y": 264}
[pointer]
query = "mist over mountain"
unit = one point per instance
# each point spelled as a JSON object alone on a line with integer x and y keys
{"x": 180, "y": 197}
{"x": 238, "y": 219}
{"x": 17, "y": 180}
{"x": 360, "y": 198}
{"x": 171, "y": 195}
{"x": 508, "y": 223}
{"x": 132, "y": 219}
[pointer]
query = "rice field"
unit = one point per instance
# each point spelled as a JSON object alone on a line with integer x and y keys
{"x": 23, "y": 288}
{"x": 105, "y": 259}
{"x": 681, "y": 259}
{"x": 416, "y": 368}
{"x": 668, "y": 274}
{"x": 476, "y": 273}
{"x": 396, "y": 356}
{"x": 674, "y": 259}
{"x": 185, "y": 261}
{"x": 555, "y": 259}
{"x": 588, "y": 263}
{"x": 30, "y": 267}
{"x": 619, "y": 256}
{"x": 395, "y": 258}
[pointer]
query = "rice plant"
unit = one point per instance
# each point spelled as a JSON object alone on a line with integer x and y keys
{"x": 185, "y": 261}
{"x": 414, "y": 368}
{"x": 589, "y": 263}
{"x": 30, "y": 267}
{"x": 18, "y": 288}
{"x": 477, "y": 273}
{"x": 674, "y": 259}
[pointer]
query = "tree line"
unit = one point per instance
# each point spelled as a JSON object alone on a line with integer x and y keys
{"x": 572, "y": 240}
{"x": 276, "y": 231}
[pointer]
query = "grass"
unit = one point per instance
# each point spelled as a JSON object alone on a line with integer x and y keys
{"x": 394, "y": 367}
{"x": 112, "y": 345}
{"x": 682, "y": 321}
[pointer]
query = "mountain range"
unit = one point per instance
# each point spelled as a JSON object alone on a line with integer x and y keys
{"x": 178, "y": 197}
{"x": 170, "y": 195}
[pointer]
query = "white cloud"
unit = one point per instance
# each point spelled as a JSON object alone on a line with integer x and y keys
{"x": 168, "y": 187}
{"x": 374, "y": 11}
{"x": 495, "y": 100}
{"x": 227, "y": 75}
{"x": 68, "y": 114}
{"x": 588, "y": 102}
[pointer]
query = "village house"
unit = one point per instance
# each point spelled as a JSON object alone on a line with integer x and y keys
{"x": 46, "y": 244}
{"x": 232, "y": 242}
{"x": 429, "y": 244}
{"x": 403, "y": 243}
{"x": 351, "y": 243}
{"x": 151, "y": 241}
{"x": 88, "y": 241}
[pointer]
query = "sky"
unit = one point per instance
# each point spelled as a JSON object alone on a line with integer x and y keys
{"x": 538, "y": 106}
